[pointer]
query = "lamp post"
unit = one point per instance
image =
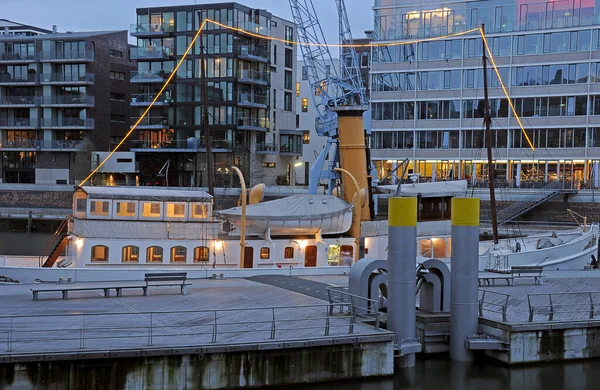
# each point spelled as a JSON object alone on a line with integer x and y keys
{"x": 355, "y": 230}
{"x": 243, "y": 228}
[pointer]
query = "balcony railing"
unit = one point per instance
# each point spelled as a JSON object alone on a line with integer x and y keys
{"x": 189, "y": 144}
{"x": 26, "y": 57}
{"x": 153, "y": 121}
{"x": 76, "y": 55}
{"x": 17, "y": 78}
{"x": 60, "y": 144}
{"x": 19, "y": 122}
{"x": 151, "y": 29}
{"x": 19, "y": 100}
{"x": 291, "y": 148}
{"x": 252, "y": 52}
{"x": 153, "y": 52}
{"x": 67, "y": 100}
{"x": 266, "y": 147}
{"x": 254, "y": 28}
{"x": 248, "y": 121}
{"x": 143, "y": 99}
{"x": 87, "y": 78}
{"x": 19, "y": 144}
{"x": 149, "y": 76}
{"x": 68, "y": 122}
{"x": 252, "y": 99}
{"x": 253, "y": 76}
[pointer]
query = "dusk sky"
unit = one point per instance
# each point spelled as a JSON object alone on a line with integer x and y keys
{"x": 95, "y": 15}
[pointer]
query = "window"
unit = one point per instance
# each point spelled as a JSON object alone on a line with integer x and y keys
{"x": 130, "y": 254}
{"x": 274, "y": 54}
{"x": 304, "y": 104}
{"x": 287, "y": 101}
{"x": 154, "y": 254}
{"x": 175, "y": 210}
{"x": 288, "y": 82}
{"x": 200, "y": 210}
{"x": 116, "y": 53}
{"x": 201, "y": 254}
{"x": 265, "y": 253}
{"x": 125, "y": 209}
{"x": 297, "y": 121}
{"x": 151, "y": 210}
{"x": 298, "y": 89}
{"x": 99, "y": 208}
{"x": 117, "y": 96}
{"x": 289, "y": 58}
{"x": 269, "y": 165}
{"x": 178, "y": 254}
{"x": 289, "y": 35}
{"x": 117, "y": 75}
{"x": 99, "y": 253}
{"x": 306, "y": 137}
{"x": 304, "y": 72}
{"x": 364, "y": 60}
{"x": 288, "y": 253}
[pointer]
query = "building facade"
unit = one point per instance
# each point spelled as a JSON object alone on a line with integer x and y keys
{"x": 62, "y": 95}
{"x": 427, "y": 97}
{"x": 8, "y": 27}
{"x": 249, "y": 86}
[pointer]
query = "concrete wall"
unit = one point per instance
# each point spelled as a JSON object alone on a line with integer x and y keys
{"x": 141, "y": 370}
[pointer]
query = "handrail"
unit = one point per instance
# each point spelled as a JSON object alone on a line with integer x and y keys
{"x": 552, "y": 307}
{"x": 55, "y": 239}
{"x": 368, "y": 310}
{"x": 207, "y": 324}
{"x": 496, "y": 307}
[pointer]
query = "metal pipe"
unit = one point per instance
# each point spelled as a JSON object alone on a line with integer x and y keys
{"x": 464, "y": 287}
{"x": 243, "y": 222}
{"x": 402, "y": 254}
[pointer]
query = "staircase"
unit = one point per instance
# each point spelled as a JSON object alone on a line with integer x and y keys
{"x": 518, "y": 208}
{"x": 56, "y": 244}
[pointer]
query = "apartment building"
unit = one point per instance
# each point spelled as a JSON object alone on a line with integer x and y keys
{"x": 249, "y": 83}
{"x": 62, "y": 95}
{"x": 8, "y": 27}
{"x": 427, "y": 97}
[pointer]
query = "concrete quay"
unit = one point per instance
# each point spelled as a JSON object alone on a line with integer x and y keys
{"x": 224, "y": 334}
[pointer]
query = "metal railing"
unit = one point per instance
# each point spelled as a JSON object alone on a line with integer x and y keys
{"x": 68, "y": 100}
{"x": 143, "y": 98}
{"x": 249, "y": 51}
{"x": 17, "y": 78}
{"x": 160, "y": 121}
{"x": 19, "y": 56}
{"x": 245, "y": 74}
{"x": 248, "y": 121}
{"x": 563, "y": 305}
{"x": 68, "y": 122}
{"x": 250, "y": 98}
{"x": 266, "y": 147}
{"x": 20, "y": 100}
{"x": 140, "y": 53}
{"x": 362, "y": 307}
{"x": 87, "y": 55}
{"x": 67, "y": 78}
{"x": 496, "y": 303}
{"x": 152, "y": 28}
{"x": 19, "y": 122}
{"x": 186, "y": 327}
{"x": 149, "y": 76}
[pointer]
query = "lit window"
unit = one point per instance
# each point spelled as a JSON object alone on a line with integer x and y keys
{"x": 178, "y": 254}
{"x": 201, "y": 254}
{"x": 151, "y": 210}
{"x": 306, "y": 137}
{"x": 200, "y": 210}
{"x": 99, "y": 208}
{"x": 304, "y": 104}
{"x": 125, "y": 209}
{"x": 130, "y": 254}
{"x": 175, "y": 210}
{"x": 265, "y": 253}
{"x": 99, "y": 253}
{"x": 154, "y": 254}
{"x": 297, "y": 89}
{"x": 288, "y": 253}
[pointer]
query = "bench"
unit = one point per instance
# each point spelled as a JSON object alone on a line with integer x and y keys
{"x": 491, "y": 280}
{"x": 65, "y": 290}
{"x": 527, "y": 271}
{"x": 166, "y": 279}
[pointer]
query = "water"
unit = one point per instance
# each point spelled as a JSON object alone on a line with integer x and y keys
{"x": 23, "y": 244}
{"x": 441, "y": 374}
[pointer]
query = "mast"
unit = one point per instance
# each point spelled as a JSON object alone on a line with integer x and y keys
{"x": 488, "y": 137}
{"x": 205, "y": 127}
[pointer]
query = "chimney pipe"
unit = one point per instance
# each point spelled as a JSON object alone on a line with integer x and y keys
{"x": 54, "y": 28}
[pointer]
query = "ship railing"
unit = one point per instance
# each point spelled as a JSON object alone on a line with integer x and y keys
{"x": 495, "y": 303}
{"x": 76, "y": 331}
{"x": 58, "y": 235}
{"x": 363, "y": 308}
{"x": 569, "y": 306}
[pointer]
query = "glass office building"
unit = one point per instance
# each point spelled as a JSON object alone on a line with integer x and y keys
{"x": 427, "y": 97}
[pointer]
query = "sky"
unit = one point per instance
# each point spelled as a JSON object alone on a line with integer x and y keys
{"x": 97, "y": 15}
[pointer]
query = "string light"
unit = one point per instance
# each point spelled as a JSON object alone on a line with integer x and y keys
{"x": 289, "y": 42}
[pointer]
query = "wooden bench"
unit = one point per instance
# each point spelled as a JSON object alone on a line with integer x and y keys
{"x": 491, "y": 280}
{"x": 65, "y": 290}
{"x": 527, "y": 271}
{"x": 166, "y": 279}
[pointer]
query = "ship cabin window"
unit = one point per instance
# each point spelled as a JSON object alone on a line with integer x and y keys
{"x": 125, "y": 209}
{"x": 201, "y": 254}
{"x": 80, "y": 204}
{"x": 199, "y": 211}
{"x": 154, "y": 254}
{"x": 346, "y": 254}
{"x": 178, "y": 254}
{"x": 288, "y": 253}
{"x": 176, "y": 210}
{"x": 99, "y": 253}
{"x": 130, "y": 254}
{"x": 436, "y": 247}
{"x": 99, "y": 208}
{"x": 265, "y": 253}
{"x": 151, "y": 209}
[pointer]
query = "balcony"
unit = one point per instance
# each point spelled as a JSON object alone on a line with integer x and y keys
{"x": 60, "y": 145}
{"x": 68, "y": 123}
{"x": 191, "y": 144}
{"x": 68, "y": 56}
{"x": 290, "y": 149}
{"x": 144, "y": 99}
{"x": 290, "y": 142}
{"x": 151, "y": 53}
{"x": 18, "y": 79}
{"x": 19, "y": 144}
{"x": 254, "y": 28}
{"x": 252, "y": 53}
{"x": 253, "y": 77}
{"x": 266, "y": 148}
{"x": 19, "y": 57}
{"x": 252, "y": 123}
{"x": 66, "y": 79}
{"x": 153, "y": 122}
{"x": 18, "y": 123}
{"x": 19, "y": 101}
{"x": 151, "y": 29}
{"x": 252, "y": 100}
{"x": 67, "y": 101}
{"x": 149, "y": 76}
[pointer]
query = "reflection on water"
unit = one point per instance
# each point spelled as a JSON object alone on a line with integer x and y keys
{"x": 23, "y": 244}
{"x": 441, "y": 374}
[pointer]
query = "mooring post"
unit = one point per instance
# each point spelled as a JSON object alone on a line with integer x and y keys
{"x": 402, "y": 257}
{"x": 464, "y": 320}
